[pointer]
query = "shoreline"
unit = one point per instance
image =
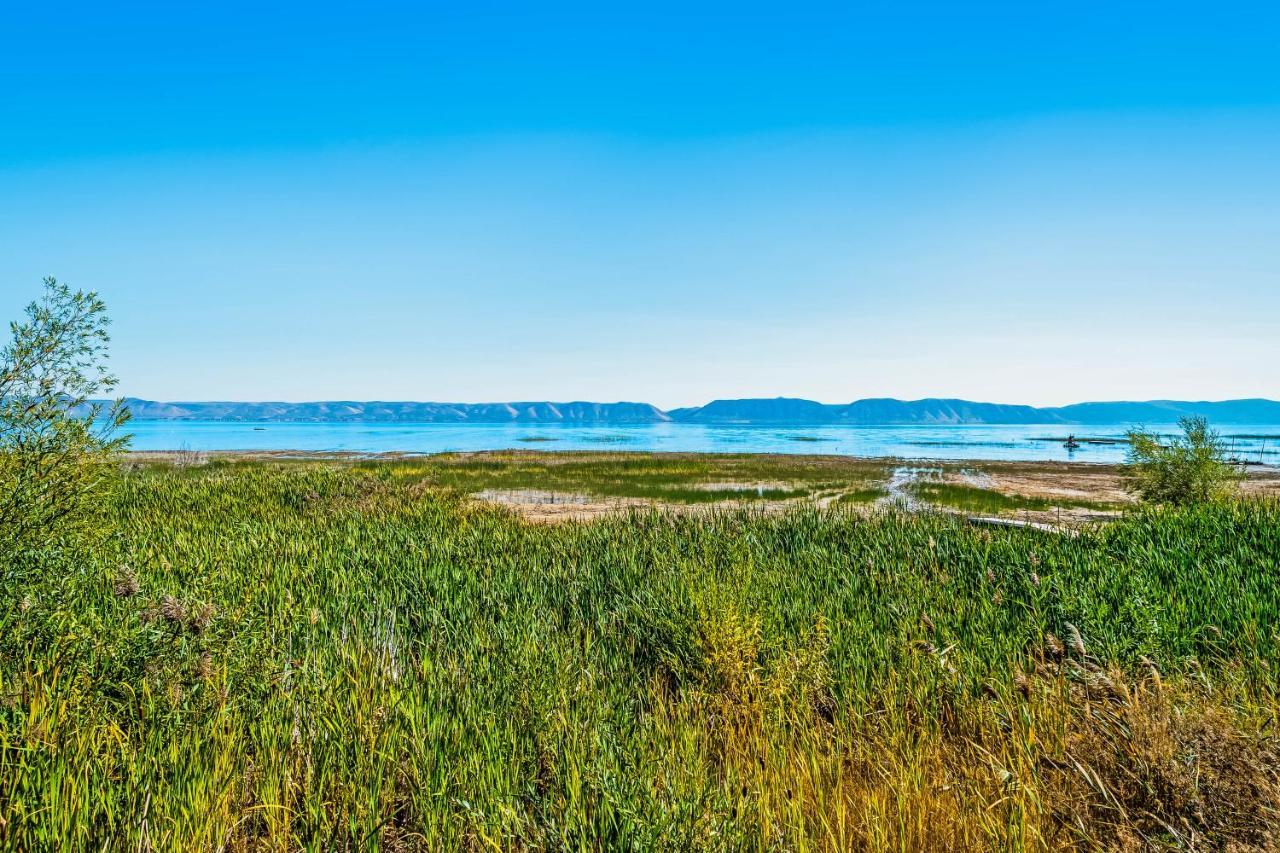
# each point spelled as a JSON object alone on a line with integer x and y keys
{"x": 564, "y": 485}
{"x": 947, "y": 443}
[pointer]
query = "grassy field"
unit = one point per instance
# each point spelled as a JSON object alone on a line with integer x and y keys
{"x": 667, "y": 478}
{"x": 333, "y": 656}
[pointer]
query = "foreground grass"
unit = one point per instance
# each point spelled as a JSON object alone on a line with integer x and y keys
{"x": 315, "y": 656}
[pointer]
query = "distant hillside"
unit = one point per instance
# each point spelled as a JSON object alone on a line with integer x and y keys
{"x": 1255, "y": 411}
{"x": 935, "y": 411}
{"x": 783, "y": 410}
{"x": 780, "y": 410}
{"x": 403, "y": 412}
{"x": 777, "y": 411}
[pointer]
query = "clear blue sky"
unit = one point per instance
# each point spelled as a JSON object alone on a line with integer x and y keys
{"x": 1021, "y": 202}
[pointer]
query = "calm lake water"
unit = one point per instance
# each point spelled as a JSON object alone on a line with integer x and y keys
{"x": 1020, "y": 442}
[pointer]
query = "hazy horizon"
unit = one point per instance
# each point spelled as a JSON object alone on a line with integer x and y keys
{"x": 620, "y": 400}
{"x": 998, "y": 203}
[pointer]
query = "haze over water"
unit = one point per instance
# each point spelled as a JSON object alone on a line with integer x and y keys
{"x": 1010, "y": 442}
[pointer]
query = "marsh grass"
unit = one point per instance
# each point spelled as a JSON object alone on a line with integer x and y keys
{"x": 976, "y": 499}
{"x": 862, "y": 496}
{"x": 291, "y": 656}
{"x": 668, "y": 478}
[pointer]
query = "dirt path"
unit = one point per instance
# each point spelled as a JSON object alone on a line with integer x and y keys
{"x": 547, "y": 507}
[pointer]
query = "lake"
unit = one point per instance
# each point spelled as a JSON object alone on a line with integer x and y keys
{"x": 1012, "y": 442}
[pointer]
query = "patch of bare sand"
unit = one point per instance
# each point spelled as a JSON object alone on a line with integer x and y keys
{"x": 1083, "y": 481}
{"x": 1262, "y": 480}
{"x": 546, "y": 507}
{"x": 541, "y": 506}
{"x": 745, "y": 488}
{"x": 1095, "y": 483}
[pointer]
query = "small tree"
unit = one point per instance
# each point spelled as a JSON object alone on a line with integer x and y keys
{"x": 56, "y": 441}
{"x": 1191, "y": 468}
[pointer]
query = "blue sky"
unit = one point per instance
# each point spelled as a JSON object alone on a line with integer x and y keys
{"x": 1017, "y": 202}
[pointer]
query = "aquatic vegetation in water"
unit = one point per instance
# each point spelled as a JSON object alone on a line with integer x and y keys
{"x": 607, "y": 439}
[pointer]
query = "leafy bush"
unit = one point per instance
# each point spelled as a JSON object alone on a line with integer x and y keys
{"x": 1192, "y": 468}
{"x": 56, "y": 442}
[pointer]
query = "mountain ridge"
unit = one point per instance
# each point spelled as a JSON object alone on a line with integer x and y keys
{"x": 748, "y": 411}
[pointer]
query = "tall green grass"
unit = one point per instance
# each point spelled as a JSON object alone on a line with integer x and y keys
{"x": 667, "y": 478}
{"x": 310, "y": 656}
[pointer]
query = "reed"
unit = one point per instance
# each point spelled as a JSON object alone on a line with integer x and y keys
{"x": 277, "y": 657}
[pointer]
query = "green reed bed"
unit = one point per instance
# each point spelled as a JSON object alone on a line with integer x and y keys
{"x": 669, "y": 478}
{"x": 322, "y": 657}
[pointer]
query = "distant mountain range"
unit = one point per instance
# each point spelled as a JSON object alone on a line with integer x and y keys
{"x": 350, "y": 410}
{"x": 776, "y": 411}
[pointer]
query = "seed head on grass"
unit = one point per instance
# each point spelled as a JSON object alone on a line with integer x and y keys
{"x": 202, "y": 618}
{"x": 204, "y": 667}
{"x": 126, "y": 585}
{"x": 1153, "y": 673}
{"x": 172, "y": 611}
{"x": 1076, "y": 641}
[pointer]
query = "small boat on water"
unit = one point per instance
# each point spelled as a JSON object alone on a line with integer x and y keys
{"x": 1071, "y": 443}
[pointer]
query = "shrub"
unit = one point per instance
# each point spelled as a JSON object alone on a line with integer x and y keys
{"x": 1192, "y": 468}
{"x": 56, "y": 441}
